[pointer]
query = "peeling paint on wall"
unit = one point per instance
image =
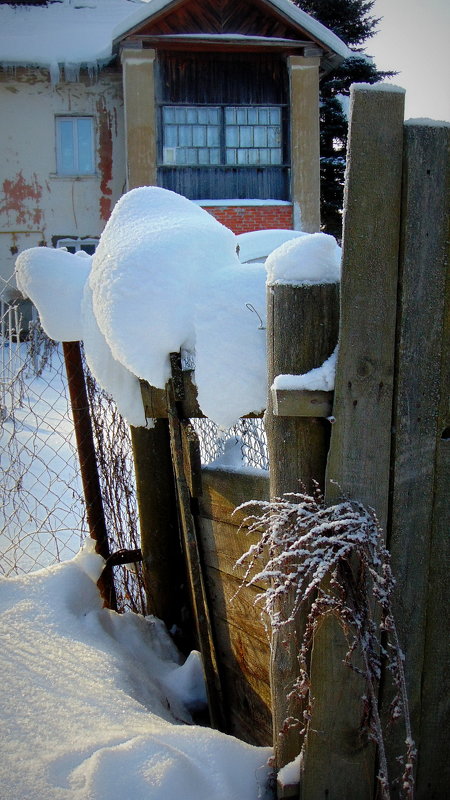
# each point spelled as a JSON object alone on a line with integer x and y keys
{"x": 105, "y": 149}
{"x": 21, "y": 201}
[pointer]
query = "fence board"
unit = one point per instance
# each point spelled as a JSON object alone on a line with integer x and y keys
{"x": 338, "y": 764}
{"x": 241, "y": 641}
{"x": 420, "y": 517}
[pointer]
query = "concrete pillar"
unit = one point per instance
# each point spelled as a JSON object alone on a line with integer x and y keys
{"x": 140, "y": 116}
{"x": 305, "y": 143}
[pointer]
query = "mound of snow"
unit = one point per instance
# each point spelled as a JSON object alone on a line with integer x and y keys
{"x": 94, "y": 704}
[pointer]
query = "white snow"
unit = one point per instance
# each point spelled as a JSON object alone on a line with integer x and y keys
{"x": 306, "y": 260}
{"x": 384, "y": 86}
{"x": 42, "y": 267}
{"x": 259, "y": 244}
{"x": 166, "y": 277}
{"x": 320, "y": 379}
{"x": 94, "y": 704}
{"x": 289, "y": 775}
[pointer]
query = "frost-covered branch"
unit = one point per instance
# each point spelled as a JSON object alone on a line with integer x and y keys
{"x": 332, "y": 560}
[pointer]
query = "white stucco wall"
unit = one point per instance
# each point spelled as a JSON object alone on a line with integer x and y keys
{"x": 35, "y": 203}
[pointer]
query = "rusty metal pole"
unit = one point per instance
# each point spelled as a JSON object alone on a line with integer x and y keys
{"x": 88, "y": 465}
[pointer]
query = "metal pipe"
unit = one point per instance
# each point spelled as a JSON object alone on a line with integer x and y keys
{"x": 88, "y": 465}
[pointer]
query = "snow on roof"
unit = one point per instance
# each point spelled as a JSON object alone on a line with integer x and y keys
{"x": 83, "y": 34}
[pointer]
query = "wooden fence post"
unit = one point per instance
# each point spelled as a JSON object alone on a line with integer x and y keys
{"x": 338, "y": 763}
{"x": 162, "y": 562}
{"x": 418, "y": 539}
{"x": 302, "y": 327}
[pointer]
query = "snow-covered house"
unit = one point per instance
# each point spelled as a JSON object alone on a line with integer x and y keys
{"x": 217, "y": 101}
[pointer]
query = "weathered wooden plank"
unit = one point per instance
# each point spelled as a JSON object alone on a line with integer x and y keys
{"x": 224, "y": 491}
{"x": 338, "y": 763}
{"x": 196, "y": 582}
{"x": 245, "y": 679}
{"x": 419, "y": 540}
{"x": 237, "y": 605}
{"x": 297, "y": 451}
{"x": 223, "y": 544}
{"x": 163, "y": 564}
{"x": 301, "y": 403}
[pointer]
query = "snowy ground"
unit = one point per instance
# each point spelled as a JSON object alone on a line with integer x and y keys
{"x": 95, "y": 705}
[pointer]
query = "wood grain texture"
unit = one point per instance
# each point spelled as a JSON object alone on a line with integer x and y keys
{"x": 419, "y": 541}
{"x": 302, "y": 330}
{"x": 338, "y": 763}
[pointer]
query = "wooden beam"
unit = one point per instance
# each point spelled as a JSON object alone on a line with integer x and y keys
{"x": 301, "y": 403}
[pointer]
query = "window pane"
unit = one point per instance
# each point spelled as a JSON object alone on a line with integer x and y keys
{"x": 192, "y": 115}
{"x": 170, "y": 136}
{"x": 66, "y": 147}
{"x": 263, "y": 116}
{"x": 242, "y": 156}
{"x": 85, "y": 146}
{"x": 180, "y": 154}
{"x": 180, "y": 115}
{"x": 203, "y": 155}
{"x": 213, "y": 136}
{"x": 199, "y": 135}
{"x": 276, "y": 156}
{"x": 185, "y": 135}
{"x": 252, "y": 116}
{"x": 274, "y": 136}
{"x": 168, "y": 114}
{"x": 260, "y": 136}
{"x": 213, "y": 116}
{"x": 275, "y": 116}
{"x": 232, "y": 136}
{"x": 191, "y": 155}
{"x": 241, "y": 116}
{"x": 202, "y": 116}
{"x": 231, "y": 156}
{"x": 246, "y": 136}
{"x": 230, "y": 116}
{"x": 214, "y": 156}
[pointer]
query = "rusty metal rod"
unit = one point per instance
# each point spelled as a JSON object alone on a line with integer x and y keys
{"x": 88, "y": 465}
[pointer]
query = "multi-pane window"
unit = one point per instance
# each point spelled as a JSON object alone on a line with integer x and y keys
{"x": 222, "y": 135}
{"x": 75, "y": 145}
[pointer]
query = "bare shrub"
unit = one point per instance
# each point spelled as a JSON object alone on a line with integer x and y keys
{"x": 332, "y": 560}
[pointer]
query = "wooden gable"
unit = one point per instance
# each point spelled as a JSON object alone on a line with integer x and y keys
{"x": 221, "y": 17}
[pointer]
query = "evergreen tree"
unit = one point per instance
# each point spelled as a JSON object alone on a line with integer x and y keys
{"x": 352, "y": 21}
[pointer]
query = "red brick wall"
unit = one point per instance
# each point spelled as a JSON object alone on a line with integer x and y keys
{"x": 241, "y": 219}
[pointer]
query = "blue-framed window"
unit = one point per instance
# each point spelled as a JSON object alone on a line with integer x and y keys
{"x": 75, "y": 145}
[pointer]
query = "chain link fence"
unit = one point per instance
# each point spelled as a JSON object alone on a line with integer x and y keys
{"x": 248, "y": 435}
{"x": 42, "y": 507}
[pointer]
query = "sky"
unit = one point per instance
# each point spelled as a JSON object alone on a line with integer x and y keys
{"x": 413, "y": 39}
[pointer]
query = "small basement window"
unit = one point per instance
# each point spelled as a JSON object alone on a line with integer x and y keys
{"x": 222, "y": 135}
{"x": 75, "y": 146}
{"x": 76, "y": 243}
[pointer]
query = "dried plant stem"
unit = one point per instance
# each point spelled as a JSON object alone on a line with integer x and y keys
{"x": 334, "y": 559}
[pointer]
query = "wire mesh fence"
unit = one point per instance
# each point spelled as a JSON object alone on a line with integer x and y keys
{"x": 43, "y": 516}
{"x": 248, "y": 435}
